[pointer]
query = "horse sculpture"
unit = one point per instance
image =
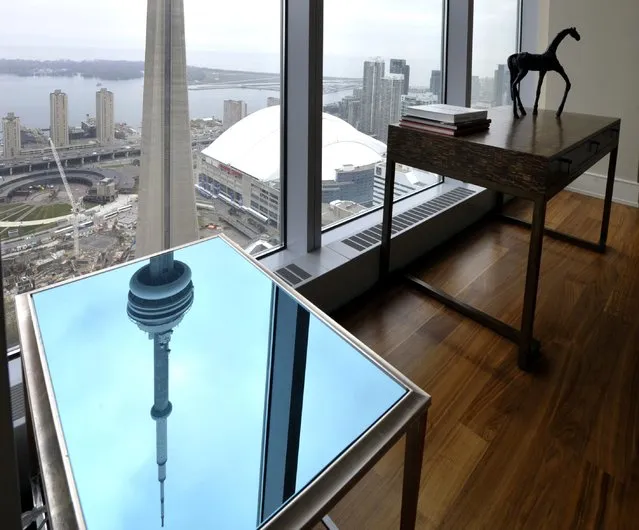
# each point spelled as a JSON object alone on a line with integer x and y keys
{"x": 520, "y": 64}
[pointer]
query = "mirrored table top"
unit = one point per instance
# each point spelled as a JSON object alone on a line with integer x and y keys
{"x": 191, "y": 387}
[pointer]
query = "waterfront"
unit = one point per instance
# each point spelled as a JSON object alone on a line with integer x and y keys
{"x": 28, "y": 97}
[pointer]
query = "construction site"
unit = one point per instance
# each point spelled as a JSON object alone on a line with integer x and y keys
{"x": 57, "y": 225}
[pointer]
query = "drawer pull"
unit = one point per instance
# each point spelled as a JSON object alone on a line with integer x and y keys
{"x": 564, "y": 161}
{"x": 595, "y": 144}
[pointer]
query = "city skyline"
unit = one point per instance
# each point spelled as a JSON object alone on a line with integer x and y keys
{"x": 80, "y": 115}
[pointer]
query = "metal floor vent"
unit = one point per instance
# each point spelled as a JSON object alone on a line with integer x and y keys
{"x": 292, "y": 274}
{"x": 371, "y": 236}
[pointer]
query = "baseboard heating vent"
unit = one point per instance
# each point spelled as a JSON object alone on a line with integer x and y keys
{"x": 293, "y": 274}
{"x": 371, "y": 236}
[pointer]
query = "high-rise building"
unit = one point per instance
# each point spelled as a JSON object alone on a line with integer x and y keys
{"x": 166, "y": 198}
{"x": 501, "y": 86}
{"x": 399, "y": 66}
{"x": 272, "y": 102}
{"x": 475, "y": 91}
{"x": 104, "y": 116}
{"x": 391, "y": 104}
{"x": 11, "y": 135}
{"x": 371, "y": 94}
{"x": 436, "y": 84}
{"x": 352, "y": 110}
{"x": 59, "y": 125}
{"x": 234, "y": 111}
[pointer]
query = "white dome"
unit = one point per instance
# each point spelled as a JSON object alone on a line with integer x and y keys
{"x": 253, "y": 146}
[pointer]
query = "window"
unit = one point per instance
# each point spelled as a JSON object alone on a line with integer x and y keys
{"x": 234, "y": 98}
{"x": 494, "y": 40}
{"x": 379, "y": 58}
{"x": 91, "y": 106}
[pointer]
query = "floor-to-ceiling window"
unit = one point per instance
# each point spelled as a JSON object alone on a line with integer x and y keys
{"x": 494, "y": 40}
{"x": 380, "y": 57}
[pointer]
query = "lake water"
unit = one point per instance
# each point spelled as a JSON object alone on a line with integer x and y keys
{"x": 28, "y": 98}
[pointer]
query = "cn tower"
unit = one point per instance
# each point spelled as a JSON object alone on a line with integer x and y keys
{"x": 160, "y": 294}
{"x": 166, "y": 197}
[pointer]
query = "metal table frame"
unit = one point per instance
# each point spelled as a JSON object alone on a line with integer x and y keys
{"x": 529, "y": 347}
{"x": 308, "y": 507}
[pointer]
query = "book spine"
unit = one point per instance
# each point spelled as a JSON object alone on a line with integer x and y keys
{"x": 431, "y": 123}
{"x": 428, "y": 128}
{"x": 463, "y": 125}
{"x": 462, "y": 119}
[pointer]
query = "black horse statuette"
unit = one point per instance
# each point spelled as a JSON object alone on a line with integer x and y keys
{"x": 520, "y": 64}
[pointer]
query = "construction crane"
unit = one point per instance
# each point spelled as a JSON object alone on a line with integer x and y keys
{"x": 75, "y": 208}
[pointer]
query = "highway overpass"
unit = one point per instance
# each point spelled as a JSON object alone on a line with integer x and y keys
{"x": 76, "y": 158}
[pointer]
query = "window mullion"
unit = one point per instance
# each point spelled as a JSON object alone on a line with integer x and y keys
{"x": 302, "y": 123}
{"x": 458, "y": 47}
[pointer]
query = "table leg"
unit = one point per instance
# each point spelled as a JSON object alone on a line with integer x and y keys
{"x": 499, "y": 202}
{"x": 387, "y": 219}
{"x": 610, "y": 182}
{"x": 328, "y": 523}
{"x": 413, "y": 457}
{"x": 9, "y": 483}
{"x": 527, "y": 345}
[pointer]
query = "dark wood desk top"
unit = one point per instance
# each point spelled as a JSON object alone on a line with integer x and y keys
{"x": 543, "y": 135}
{"x": 525, "y": 157}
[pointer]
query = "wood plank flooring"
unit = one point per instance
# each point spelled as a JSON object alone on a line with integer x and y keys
{"x": 505, "y": 449}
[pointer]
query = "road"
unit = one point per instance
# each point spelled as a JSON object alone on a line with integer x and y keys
{"x": 43, "y": 159}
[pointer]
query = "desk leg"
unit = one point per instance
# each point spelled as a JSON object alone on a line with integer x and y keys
{"x": 612, "y": 169}
{"x": 387, "y": 219}
{"x": 528, "y": 345}
{"x": 413, "y": 457}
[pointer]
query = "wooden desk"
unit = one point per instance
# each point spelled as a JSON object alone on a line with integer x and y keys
{"x": 532, "y": 158}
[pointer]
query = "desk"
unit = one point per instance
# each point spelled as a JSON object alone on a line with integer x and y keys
{"x": 274, "y": 413}
{"x": 532, "y": 158}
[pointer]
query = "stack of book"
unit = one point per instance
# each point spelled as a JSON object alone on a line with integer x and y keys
{"x": 446, "y": 119}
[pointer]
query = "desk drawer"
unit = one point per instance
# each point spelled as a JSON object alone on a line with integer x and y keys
{"x": 580, "y": 158}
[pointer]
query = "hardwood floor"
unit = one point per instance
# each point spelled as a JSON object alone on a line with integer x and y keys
{"x": 507, "y": 449}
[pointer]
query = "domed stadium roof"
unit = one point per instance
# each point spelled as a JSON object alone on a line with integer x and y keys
{"x": 253, "y": 146}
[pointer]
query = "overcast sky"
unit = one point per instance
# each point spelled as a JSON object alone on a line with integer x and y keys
{"x": 245, "y": 30}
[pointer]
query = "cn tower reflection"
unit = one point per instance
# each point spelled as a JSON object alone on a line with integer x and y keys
{"x": 160, "y": 294}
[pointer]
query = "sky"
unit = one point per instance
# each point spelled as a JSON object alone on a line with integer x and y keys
{"x": 246, "y": 33}
{"x": 101, "y": 366}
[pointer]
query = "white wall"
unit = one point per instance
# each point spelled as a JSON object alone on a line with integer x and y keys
{"x": 603, "y": 68}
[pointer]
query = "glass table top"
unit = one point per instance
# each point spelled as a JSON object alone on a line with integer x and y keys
{"x": 192, "y": 388}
